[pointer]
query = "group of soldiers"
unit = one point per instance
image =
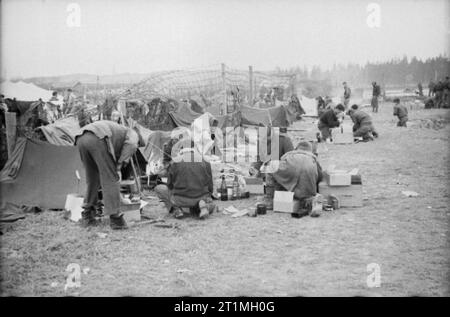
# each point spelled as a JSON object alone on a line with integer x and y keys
{"x": 440, "y": 93}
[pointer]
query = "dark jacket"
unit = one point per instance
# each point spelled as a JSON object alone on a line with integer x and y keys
{"x": 299, "y": 172}
{"x": 121, "y": 143}
{"x": 400, "y": 111}
{"x": 347, "y": 92}
{"x": 360, "y": 118}
{"x": 190, "y": 179}
{"x": 376, "y": 91}
{"x": 329, "y": 119}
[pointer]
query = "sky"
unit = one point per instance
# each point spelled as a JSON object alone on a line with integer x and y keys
{"x": 43, "y": 37}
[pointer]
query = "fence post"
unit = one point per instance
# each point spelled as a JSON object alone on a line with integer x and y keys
{"x": 294, "y": 84}
{"x": 11, "y": 131}
{"x": 250, "y": 91}
{"x": 224, "y": 88}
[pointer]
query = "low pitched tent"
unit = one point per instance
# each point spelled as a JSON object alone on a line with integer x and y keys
{"x": 41, "y": 174}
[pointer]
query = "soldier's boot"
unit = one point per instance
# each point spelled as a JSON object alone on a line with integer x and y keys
{"x": 88, "y": 217}
{"x": 204, "y": 210}
{"x": 117, "y": 222}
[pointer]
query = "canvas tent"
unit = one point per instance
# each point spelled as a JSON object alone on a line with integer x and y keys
{"x": 41, "y": 174}
{"x": 24, "y": 91}
{"x": 309, "y": 106}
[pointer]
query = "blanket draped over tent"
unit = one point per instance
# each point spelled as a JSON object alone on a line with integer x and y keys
{"x": 62, "y": 132}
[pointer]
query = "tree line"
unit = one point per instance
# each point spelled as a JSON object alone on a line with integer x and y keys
{"x": 396, "y": 72}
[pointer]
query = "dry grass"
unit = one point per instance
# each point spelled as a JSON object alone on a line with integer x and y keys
{"x": 271, "y": 255}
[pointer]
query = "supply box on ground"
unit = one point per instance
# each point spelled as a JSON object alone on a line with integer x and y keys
{"x": 337, "y": 178}
{"x": 285, "y": 202}
{"x": 349, "y": 196}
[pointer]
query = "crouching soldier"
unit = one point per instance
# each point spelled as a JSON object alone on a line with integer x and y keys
{"x": 328, "y": 120}
{"x": 300, "y": 172}
{"x": 104, "y": 147}
{"x": 362, "y": 124}
{"x": 189, "y": 185}
{"x": 401, "y": 112}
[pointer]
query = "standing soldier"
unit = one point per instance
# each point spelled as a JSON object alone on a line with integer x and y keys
{"x": 347, "y": 95}
{"x": 376, "y": 91}
{"x": 419, "y": 86}
{"x": 401, "y": 112}
{"x": 69, "y": 101}
{"x": 104, "y": 147}
{"x": 446, "y": 97}
{"x": 438, "y": 94}
{"x": 431, "y": 89}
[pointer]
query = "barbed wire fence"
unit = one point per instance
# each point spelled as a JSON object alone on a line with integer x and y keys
{"x": 217, "y": 85}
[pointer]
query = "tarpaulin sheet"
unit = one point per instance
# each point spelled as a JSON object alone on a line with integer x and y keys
{"x": 45, "y": 177}
{"x": 254, "y": 116}
{"x": 183, "y": 116}
{"x": 280, "y": 116}
{"x": 154, "y": 147}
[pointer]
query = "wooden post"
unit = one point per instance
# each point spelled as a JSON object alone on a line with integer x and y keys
{"x": 294, "y": 84}
{"x": 137, "y": 178}
{"x": 97, "y": 99}
{"x": 224, "y": 88}
{"x": 250, "y": 85}
{"x": 11, "y": 131}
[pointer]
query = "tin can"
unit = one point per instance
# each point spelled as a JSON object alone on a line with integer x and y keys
{"x": 261, "y": 209}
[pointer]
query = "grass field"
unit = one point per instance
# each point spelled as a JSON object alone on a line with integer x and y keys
{"x": 271, "y": 255}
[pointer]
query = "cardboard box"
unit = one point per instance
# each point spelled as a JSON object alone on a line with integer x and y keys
{"x": 285, "y": 202}
{"x": 131, "y": 212}
{"x": 337, "y": 178}
{"x": 349, "y": 196}
{"x": 254, "y": 185}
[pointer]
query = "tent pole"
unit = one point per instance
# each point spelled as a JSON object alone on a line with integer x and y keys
{"x": 133, "y": 167}
{"x": 250, "y": 91}
{"x": 11, "y": 131}
{"x": 224, "y": 88}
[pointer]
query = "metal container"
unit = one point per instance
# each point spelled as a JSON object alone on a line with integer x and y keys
{"x": 261, "y": 209}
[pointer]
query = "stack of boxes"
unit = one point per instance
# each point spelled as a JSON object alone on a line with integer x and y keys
{"x": 346, "y": 186}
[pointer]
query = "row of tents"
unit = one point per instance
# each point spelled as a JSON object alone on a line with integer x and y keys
{"x": 42, "y": 173}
